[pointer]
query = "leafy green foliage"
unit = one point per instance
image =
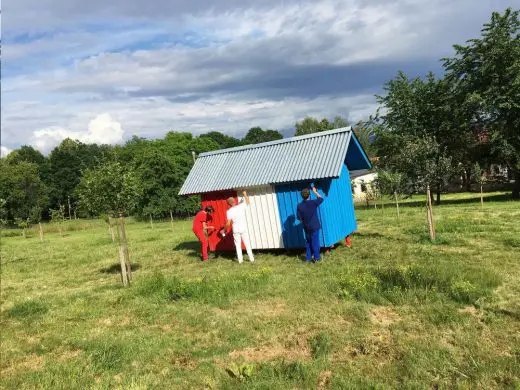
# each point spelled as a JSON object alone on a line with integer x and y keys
{"x": 111, "y": 188}
{"x": 22, "y": 224}
{"x": 23, "y": 192}
{"x": 28, "y": 154}
{"x": 479, "y": 175}
{"x": 389, "y": 182}
{"x": 67, "y": 162}
{"x": 311, "y": 125}
{"x": 58, "y": 217}
{"x": 484, "y": 74}
{"x": 241, "y": 372}
{"x": 257, "y": 135}
{"x": 223, "y": 141}
{"x": 415, "y": 134}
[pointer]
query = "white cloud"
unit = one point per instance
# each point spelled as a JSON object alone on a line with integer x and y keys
{"x": 4, "y": 151}
{"x": 250, "y": 63}
{"x": 102, "y": 130}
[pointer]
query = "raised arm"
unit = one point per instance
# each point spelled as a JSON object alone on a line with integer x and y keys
{"x": 246, "y": 197}
{"x": 316, "y": 192}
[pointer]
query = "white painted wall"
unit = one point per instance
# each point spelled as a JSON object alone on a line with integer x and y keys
{"x": 263, "y": 219}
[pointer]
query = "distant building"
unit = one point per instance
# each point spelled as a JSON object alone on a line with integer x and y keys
{"x": 361, "y": 181}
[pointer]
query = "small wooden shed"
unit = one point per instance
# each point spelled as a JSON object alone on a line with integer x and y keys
{"x": 274, "y": 173}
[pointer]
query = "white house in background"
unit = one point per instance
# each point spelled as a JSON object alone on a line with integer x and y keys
{"x": 361, "y": 180}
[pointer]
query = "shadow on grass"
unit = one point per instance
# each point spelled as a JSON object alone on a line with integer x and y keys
{"x": 444, "y": 201}
{"x": 194, "y": 251}
{"x": 447, "y": 202}
{"x": 116, "y": 268}
{"x": 368, "y": 235}
{"x": 192, "y": 246}
{"x": 508, "y": 313}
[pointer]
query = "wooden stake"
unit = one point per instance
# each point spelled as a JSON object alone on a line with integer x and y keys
{"x": 110, "y": 230}
{"x": 396, "y": 204}
{"x": 121, "y": 255}
{"x": 41, "y": 231}
{"x": 171, "y": 220}
{"x": 481, "y": 197}
{"x": 151, "y": 221}
{"x": 124, "y": 248}
{"x": 70, "y": 214}
{"x": 431, "y": 226}
{"x": 124, "y": 276}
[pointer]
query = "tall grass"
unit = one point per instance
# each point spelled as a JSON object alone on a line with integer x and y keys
{"x": 419, "y": 283}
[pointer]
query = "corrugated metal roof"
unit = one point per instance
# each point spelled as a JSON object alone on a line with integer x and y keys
{"x": 307, "y": 157}
{"x": 360, "y": 172}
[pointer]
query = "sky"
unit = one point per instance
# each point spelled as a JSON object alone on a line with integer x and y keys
{"x": 103, "y": 71}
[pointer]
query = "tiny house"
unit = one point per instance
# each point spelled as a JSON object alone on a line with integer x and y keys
{"x": 274, "y": 173}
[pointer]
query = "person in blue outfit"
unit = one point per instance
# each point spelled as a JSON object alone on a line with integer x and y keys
{"x": 307, "y": 213}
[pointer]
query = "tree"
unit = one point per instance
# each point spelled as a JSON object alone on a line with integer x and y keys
{"x": 23, "y": 192}
{"x": 223, "y": 141}
{"x": 311, "y": 125}
{"x": 58, "y": 217}
{"x": 422, "y": 160}
{"x": 160, "y": 176}
{"x": 3, "y": 212}
{"x": 256, "y": 135}
{"x": 28, "y": 154}
{"x": 480, "y": 178}
{"x": 392, "y": 184}
{"x": 109, "y": 189}
{"x": 485, "y": 75}
{"x": 112, "y": 189}
{"x": 418, "y": 110}
{"x": 67, "y": 161}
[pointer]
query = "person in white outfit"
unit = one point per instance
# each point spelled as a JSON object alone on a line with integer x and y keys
{"x": 236, "y": 215}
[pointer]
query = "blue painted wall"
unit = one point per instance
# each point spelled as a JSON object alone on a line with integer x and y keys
{"x": 336, "y": 212}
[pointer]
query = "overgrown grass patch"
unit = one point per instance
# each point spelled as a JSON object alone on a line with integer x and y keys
{"x": 418, "y": 283}
{"x": 320, "y": 345}
{"x": 28, "y": 310}
{"x": 513, "y": 242}
{"x": 211, "y": 290}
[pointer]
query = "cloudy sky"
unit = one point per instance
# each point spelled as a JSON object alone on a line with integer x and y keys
{"x": 104, "y": 70}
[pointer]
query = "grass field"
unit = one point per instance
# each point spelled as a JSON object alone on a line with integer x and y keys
{"x": 395, "y": 311}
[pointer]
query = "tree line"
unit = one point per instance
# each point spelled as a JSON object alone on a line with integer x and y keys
{"x": 141, "y": 177}
{"x": 32, "y": 185}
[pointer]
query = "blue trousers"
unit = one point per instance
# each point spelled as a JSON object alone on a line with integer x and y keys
{"x": 312, "y": 244}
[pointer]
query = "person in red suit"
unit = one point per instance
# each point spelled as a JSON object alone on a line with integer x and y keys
{"x": 201, "y": 227}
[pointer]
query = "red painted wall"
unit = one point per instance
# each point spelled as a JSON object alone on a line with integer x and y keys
{"x": 218, "y": 201}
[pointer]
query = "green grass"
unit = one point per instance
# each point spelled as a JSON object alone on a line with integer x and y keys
{"x": 395, "y": 311}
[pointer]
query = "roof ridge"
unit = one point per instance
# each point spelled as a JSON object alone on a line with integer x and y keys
{"x": 280, "y": 141}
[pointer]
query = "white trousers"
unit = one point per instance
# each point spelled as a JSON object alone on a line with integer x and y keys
{"x": 239, "y": 237}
